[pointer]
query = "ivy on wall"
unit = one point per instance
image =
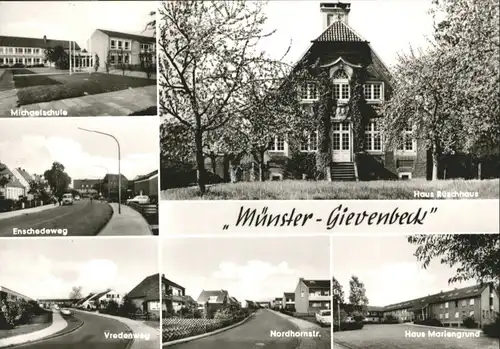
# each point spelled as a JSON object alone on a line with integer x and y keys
{"x": 357, "y": 109}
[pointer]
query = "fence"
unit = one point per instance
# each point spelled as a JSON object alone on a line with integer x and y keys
{"x": 175, "y": 328}
{"x": 150, "y": 214}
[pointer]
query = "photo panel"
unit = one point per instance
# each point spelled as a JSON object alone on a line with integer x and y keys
{"x": 79, "y": 59}
{"x": 246, "y": 292}
{"x": 335, "y": 109}
{"x": 416, "y": 291}
{"x": 84, "y": 293}
{"x": 79, "y": 177}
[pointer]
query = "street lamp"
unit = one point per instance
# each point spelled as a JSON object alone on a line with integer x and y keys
{"x": 337, "y": 297}
{"x": 119, "y": 172}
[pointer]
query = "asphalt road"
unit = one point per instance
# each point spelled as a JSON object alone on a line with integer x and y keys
{"x": 255, "y": 333}
{"x": 89, "y": 336}
{"x": 81, "y": 218}
{"x": 393, "y": 337}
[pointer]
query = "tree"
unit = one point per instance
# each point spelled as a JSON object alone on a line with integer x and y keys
{"x": 76, "y": 292}
{"x": 474, "y": 257}
{"x": 4, "y": 176}
{"x": 337, "y": 291}
{"x": 57, "y": 179}
{"x": 58, "y": 56}
{"x": 357, "y": 293}
{"x": 38, "y": 188}
{"x": 208, "y": 67}
{"x": 470, "y": 35}
{"x": 127, "y": 308}
{"x": 423, "y": 95}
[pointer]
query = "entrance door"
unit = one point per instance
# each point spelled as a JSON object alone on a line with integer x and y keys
{"x": 341, "y": 142}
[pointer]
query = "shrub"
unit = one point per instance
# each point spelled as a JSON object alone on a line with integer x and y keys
{"x": 493, "y": 329}
{"x": 302, "y": 164}
{"x": 224, "y": 314}
{"x": 390, "y": 319}
{"x": 110, "y": 307}
{"x": 12, "y": 312}
{"x": 429, "y": 322}
{"x": 96, "y": 62}
{"x": 470, "y": 322}
{"x": 348, "y": 326}
{"x": 6, "y": 205}
{"x": 127, "y": 308}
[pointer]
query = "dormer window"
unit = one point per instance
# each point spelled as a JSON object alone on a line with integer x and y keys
{"x": 329, "y": 20}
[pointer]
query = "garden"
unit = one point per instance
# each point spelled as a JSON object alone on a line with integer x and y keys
{"x": 20, "y": 316}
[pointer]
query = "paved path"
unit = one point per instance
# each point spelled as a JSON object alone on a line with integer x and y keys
{"x": 129, "y": 222}
{"x": 8, "y": 94}
{"x": 255, "y": 333}
{"x": 5, "y": 215}
{"x": 322, "y": 341}
{"x": 92, "y": 335}
{"x": 58, "y": 324}
{"x": 395, "y": 337}
{"x": 117, "y": 103}
{"x": 140, "y": 329}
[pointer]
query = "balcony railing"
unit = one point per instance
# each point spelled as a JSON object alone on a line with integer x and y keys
{"x": 314, "y": 297}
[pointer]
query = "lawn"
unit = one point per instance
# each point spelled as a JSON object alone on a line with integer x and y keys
{"x": 393, "y": 337}
{"x": 23, "y": 329}
{"x": 20, "y": 71}
{"x": 38, "y": 88}
{"x": 310, "y": 190}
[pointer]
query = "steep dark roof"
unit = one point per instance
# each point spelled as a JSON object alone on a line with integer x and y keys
{"x": 83, "y": 300}
{"x": 100, "y": 294}
{"x": 140, "y": 38}
{"x": 146, "y": 176}
{"x": 113, "y": 177}
{"x": 149, "y": 288}
{"x": 466, "y": 292}
{"x": 290, "y": 295}
{"x": 27, "y": 177}
{"x": 13, "y": 181}
{"x": 317, "y": 283}
{"x": 17, "y": 41}
{"x": 278, "y": 298}
{"x": 338, "y": 31}
{"x": 171, "y": 283}
{"x": 220, "y": 294}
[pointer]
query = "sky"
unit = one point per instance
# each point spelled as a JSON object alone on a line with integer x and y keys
{"x": 66, "y": 20}
{"x": 390, "y": 26}
{"x": 258, "y": 269}
{"x": 49, "y": 268}
{"x": 35, "y": 143}
{"x": 387, "y": 267}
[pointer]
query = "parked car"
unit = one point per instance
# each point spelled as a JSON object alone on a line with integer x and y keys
{"x": 67, "y": 199}
{"x": 139, "y": 199}
{"x": 77, "y": 198}
{"x": 55, "y": 307}
{"x": 324, "y": 317}
{"x": 66, "y": 311}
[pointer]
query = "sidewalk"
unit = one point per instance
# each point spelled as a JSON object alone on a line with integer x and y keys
{"x": 139, "y": 328}
{"x": 10, "y": 214}
{"x": 117, "y": 103}
{"x": 58, "y": 324}
{"x": 8, "y": 94}
{"x": 304, "y": 326}
{"x": 129, "y": 222}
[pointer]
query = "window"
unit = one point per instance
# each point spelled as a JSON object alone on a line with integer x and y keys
{"x": 112, "y": 59}
{"x": 212, "y": 299}
{"x": 1, "y": 61}
{"x": 278, "y": 144}
{"x": 309, "y": 91}
{"x": 407, "y": 141}
{"x": 373, "y": 91}
{"x": 471, "y": 313}
{"x": 329, "y": 19}
{"x": 341, "y": 91}
{"x": 10, "y": 50}
{"x": 441, "y": 305}
{"x": 113, "y": 43}
{"x": 440, "y": 316}
{"x": 446, "y": 305}
{"x": 19, "y": 60}
{"x": 1, "y": 49}
{"x": 464, "y": 302}
{"x": 127, "y": 59}
{"x": 471, "y": 302}
{"x": 126, "y": 45}
{"x": 310, "y": 144}
{"x": 120, "y": 58}
{"x": 457, "y": 315}
{"x": 27, "y": 51}
{"x": 302, "y": 294}
{"x": 36, "y": 51}
{"x": 120, "y": 44}
{"x": 446, "y": 315}
{"x": 19, "y": 50}
{"x": 373, "y": 138}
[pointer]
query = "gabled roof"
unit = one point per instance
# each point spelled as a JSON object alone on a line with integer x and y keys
{"x": 221, "y": 295}
{"x": 13, "y": 181}
{"x": 278, "y": 298}
{"x": 339, "y": 31}
{"x": 140, "y": 38}
{"x": 14, "y": 293}
{"x": 317, "y": 283}
{"x": 171, "y": 283}
{"x": 146, "y": 176}
{"x": 100, "y": 294}
{"x": 113, "y": 177}
{"x": 466, "y": 292}
{"x": 18, "y": 41}
{"x": 289, "y": 295}
{"x": 27, "y": 177}
{"x": 83, "y": 300}
{"x": 148, "y": 288}
{"x": 374, "y": 308}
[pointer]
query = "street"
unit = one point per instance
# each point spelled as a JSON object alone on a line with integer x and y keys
{"x": 81, "y": 218}
{"x": 90, "y": 335}
{"x": 255, "y": 333}
{"x": 393, "y": 337}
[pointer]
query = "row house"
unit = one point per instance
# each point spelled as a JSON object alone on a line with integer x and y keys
{"x": 146, "y": 295}
{"x": 264, "y": 304}
{"x": 7, "y": 294}
{"x": 480, "y": 302}
{"x": 278, "y": 302}
{"x": 48, "y": 303}
{"x": 288, "y": 300}
{"x": 31, "y": 51}
{"x": 13, "y": 189}
{"x": 25, "y": 179}
{"x": 122, "y": 48}
{"x": 97, "y": 300}
{"x": 312, "y": 296}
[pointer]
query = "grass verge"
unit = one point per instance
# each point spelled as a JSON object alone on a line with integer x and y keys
{"x": 310, "y": 190}
{"x": 23, "y": 329}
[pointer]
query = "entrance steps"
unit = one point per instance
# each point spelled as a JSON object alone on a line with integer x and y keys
{"x": 343, "y": 171}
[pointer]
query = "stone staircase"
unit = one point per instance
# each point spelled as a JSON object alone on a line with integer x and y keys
{"x": 343, "y": 171}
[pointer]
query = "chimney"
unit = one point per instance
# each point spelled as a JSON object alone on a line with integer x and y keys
{"x": 332, "y": 12}
{"x": 45, "y": 38}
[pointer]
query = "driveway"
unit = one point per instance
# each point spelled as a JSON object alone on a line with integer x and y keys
{"x": 255, "y": 333}
{"x": 90, "y": 336}
{"x": 393, "y": 337}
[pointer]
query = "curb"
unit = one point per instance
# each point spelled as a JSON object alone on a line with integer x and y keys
{"x": 107, "y": 222}
{"x": 300, "y": 340}
{"x": 45, "y": 338}
{"x": 189, "y": 339}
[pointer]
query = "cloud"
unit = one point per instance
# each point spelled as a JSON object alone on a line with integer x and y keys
{"x": 251, "y": 271}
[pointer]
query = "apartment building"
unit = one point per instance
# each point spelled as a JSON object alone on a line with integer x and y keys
{"x": 87, "y": 187}
{"x": 122, "y": 48}
{"x": 288, "y": 300}
{"x": 7, "y": 294}
{"x": 29, "y": 51}
{"x": 173, "y": 295}
{"x": 480, "y": 302}
{"x": 312, "y": 295}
